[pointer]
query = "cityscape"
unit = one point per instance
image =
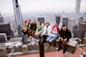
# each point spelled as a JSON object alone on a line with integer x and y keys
{"x": 21, "y": 19}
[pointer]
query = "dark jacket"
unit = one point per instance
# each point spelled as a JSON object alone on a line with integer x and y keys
{"x": 33, "y": 26}
{"x": 65, "y": 34}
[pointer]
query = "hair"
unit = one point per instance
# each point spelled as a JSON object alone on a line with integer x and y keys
{"x": 25, "y": 21}
{"x": 47, "y": 23}
{"x": 63, "y": 25}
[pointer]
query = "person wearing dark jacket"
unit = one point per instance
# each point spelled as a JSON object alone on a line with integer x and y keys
{"x": 33, "y": 27}
{"x": 65, "y": 35}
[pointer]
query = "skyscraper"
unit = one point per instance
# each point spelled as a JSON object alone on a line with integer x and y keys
{"x": 18, "y": 16}
{"x": 17, "y": 13}
{"x": 77, "y": 9}
{"x": 1, "y": 19}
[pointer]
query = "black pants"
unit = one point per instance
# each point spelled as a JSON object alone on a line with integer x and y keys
{"x": 44, "y": 38}
{"x": 62, "y": 46}
{"x": 25, "y": 37}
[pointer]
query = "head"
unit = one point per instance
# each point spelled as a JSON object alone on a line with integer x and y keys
{"x": 64, "y": 27}
{"x": 38, "y": 23}
{"x": 47, "y": 24}
{"x": 29, "y": 21}
{"x": 42, "y": 24}
{"x": 25, "y": 21}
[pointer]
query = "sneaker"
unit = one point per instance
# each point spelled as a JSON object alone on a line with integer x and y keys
{"x": 64, "y": 51}
{"x": 58, "y": 49}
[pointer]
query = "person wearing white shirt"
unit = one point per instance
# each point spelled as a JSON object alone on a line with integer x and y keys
{"x": 46, "y": 31}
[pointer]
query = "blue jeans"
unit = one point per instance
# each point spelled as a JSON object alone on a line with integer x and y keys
{"x": 52, "y": 37}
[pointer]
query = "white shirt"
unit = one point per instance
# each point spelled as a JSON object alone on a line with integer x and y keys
{"x": 47, "y": 29}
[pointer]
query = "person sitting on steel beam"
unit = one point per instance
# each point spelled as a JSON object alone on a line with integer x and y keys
{"x": 46, "y": 31}
{"x": 54, "y": 35}
{"x": 39, "y": 30}
{"x": 65, "y": 35}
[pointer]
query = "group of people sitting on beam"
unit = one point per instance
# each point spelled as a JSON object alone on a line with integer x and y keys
{"x": 49, "y": 32}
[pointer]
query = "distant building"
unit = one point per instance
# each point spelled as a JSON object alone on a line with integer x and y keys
{"x": 41, "y": 19}
{"x": 77, "y": 9}
{"x": 17, "y": 13}
{"x": 18, "y": 16}
{"x": 1, "y": 19}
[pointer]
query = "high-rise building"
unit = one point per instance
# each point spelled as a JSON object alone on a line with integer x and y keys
{"x": 41, "y": 19}
{"x": 1, "y": 19}
{"x": 77, "y": 9}
{"x": 17, "y": 13}
{"x": 18, "y": 16}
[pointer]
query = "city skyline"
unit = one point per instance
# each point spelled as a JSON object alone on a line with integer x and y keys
{"x": 41, "y": 6}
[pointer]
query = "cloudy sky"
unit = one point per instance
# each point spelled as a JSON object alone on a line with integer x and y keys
{"x": 41, "y": 6}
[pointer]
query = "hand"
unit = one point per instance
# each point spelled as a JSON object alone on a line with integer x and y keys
{"x": 65, "y": 39}
{"x": 36, "y": 33}
{"x": 24, "y": 29}
{"x": 61, "y": 39}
